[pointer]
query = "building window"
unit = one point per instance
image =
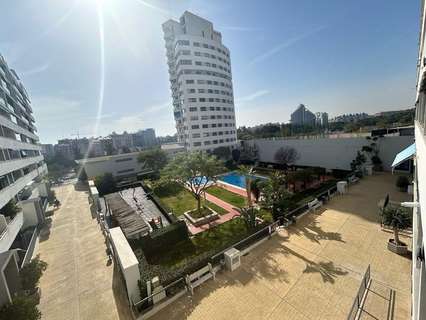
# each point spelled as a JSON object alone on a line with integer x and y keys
{"x": 197, "y": 144}
{"x": 195, "y": 126}
{"x": 196, "y": 135}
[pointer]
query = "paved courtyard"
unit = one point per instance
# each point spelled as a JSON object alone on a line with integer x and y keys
{"x": 313, "y": 269}
{"x": 78, "y": 283}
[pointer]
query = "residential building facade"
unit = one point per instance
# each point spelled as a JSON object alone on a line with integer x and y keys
{"x": 201, "y": 83}
{"x": 22, "y": 195}
{"x": 122, "y": 141}
{"x": 419, "y": 210}
{"x": 145, "y": 138}
{"x": 302, "y": 116}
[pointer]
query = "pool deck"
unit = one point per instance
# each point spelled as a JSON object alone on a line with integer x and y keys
{"x": 313, "y": 269}
{"x": 230, "y": 187}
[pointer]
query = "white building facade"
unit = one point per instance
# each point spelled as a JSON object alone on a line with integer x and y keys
{"x": 201, "y": 84}
{"x": 20, "y": 152}
{"x": 419, "y": 212}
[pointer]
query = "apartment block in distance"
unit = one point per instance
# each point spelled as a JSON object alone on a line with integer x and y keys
{"x": 23, "y": 197}
{"x": 201, "y": 83}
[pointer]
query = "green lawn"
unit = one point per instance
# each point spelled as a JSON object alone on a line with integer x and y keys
{"x": 180, "y": 200}
{"x": 227, "y": 196}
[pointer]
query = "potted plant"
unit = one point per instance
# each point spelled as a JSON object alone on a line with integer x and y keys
{"x": 377, "y": 163}
{"x": 402, "y": 183}
{"x": 398, "y": 218}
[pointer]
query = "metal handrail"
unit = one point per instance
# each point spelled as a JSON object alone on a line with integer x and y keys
{"x": 356, "y": 305}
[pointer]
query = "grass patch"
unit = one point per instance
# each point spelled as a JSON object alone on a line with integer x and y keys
{"x": 180, "y": 200}
{"x": 215, "y": 207}
{"x": 227, "y": 196}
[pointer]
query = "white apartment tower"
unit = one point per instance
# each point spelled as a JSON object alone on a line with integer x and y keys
{"x": 201, "y": 83}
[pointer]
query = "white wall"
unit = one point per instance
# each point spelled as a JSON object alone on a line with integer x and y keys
{"x": 98, "y": 166}
{"x": 129, "y": 264}
{"x": 331, "y": 153}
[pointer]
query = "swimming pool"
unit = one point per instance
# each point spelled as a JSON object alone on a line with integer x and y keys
{"x": 237, "y": 179}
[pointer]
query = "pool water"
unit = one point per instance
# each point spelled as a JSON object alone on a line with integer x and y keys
{"x": 237, "y": 179}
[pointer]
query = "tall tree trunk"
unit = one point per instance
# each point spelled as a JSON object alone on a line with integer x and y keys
{"x": 198, "y": 197}
{"x": 396, "y": 236}
{"x": 248, "y": 190}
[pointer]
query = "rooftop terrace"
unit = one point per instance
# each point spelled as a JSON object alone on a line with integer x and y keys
{"x": 313, "y": 269}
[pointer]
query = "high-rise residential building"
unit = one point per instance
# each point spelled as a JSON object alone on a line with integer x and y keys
{"x": 22, "y": 194}
{"x": 145, "y": 138}
{"x": 302, "y": 116}
{"x": 47, "y": 150}
{"x": 122, "y": 141}
{"x": 321, "y": 119}
{"x": 419, "y": 204}
{"x": 201, "y": 83}
{"x": 20, "y": 152}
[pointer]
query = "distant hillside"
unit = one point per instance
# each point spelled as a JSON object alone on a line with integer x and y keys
{"x": 345, "y": 123}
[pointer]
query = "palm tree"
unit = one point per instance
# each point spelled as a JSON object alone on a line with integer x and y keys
{"x": 249, "y": 216}
{"x": 247, "y": 171}
{"x": 398, "y": 218}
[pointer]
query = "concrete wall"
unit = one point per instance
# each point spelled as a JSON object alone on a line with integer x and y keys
{"x": 113, "y": 164}
{"x": 331, "y": 153}
{"x": 128, "y": 262}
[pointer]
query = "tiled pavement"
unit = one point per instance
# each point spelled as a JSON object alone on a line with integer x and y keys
{"x": 313, "y": 269}
{"x": 78, "y": 283}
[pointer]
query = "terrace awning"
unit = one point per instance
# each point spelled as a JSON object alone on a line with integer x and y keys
{"x": 404, "y": 155}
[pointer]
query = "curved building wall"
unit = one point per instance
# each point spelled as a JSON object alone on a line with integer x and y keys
{"x": 201, "y": 84}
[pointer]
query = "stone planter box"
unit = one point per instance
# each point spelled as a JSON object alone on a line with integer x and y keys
{"x": 203, "y": 220}
{"x": 400, "y": 249}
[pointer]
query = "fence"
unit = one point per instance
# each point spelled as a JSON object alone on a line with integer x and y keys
{"x": 247, "y": 242}
{"x": 356, "y": 305}
{"x": 170, "y": 293}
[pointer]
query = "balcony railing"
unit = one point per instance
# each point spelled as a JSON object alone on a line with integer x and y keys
{"x": 11, "y": 231}
{"x": 10, "y": 191}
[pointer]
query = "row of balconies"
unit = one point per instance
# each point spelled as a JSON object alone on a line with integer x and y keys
{"x": 12, "y": 190}
{"x": 12, "y": 165}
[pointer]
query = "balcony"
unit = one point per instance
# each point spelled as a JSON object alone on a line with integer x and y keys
{"x": 10, "y": 191}
{"x": 12, "y": 165}
{"x": 9, "y": 234}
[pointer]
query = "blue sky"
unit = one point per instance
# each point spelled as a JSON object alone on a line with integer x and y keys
{"x": 334, "y": 56}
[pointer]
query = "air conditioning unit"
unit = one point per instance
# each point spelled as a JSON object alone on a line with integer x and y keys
{"x": 232, "y": 259}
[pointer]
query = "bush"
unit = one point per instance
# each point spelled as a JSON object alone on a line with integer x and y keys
{"x": 161, "y": 240}
{"x": 10, "y": 209}
{"x": 21, "y": 308}
{"x": 31, "y": 273}
{"x": 105, "y": 184}
{"x": 402, "y": 183}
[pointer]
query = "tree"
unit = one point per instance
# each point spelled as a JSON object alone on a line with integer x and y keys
{"x": 156, "y": 159}
{"x": 82, "y": 175}
{"x": 31, "y": 273}
{"x": 222, "y": 152}
{"x": 249, "y": 216}
{"x": 194, "y": 170}
{"x": 10, "y": 209}
{"x": 255, "y": 188}
{"x": 247, "y": 172}
{"x": 21, "y": 308}
{"x": 286, "y": 156}
{"x": 236, "y": 153}
{"x": 105, "y": 184}
{"x": 275, "y": 195}
{"x": 398, "y": 218}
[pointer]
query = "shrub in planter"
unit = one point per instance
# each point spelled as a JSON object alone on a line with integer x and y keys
{"x": 21, "y": 308}
{"x": 398, "y": 218}
{"x": 402, "y": 183}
